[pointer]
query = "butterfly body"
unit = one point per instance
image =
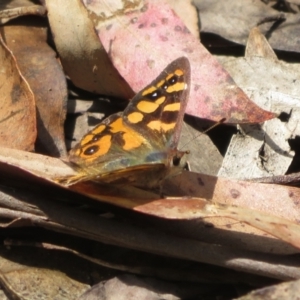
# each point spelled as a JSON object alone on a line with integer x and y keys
{"x": 139, "y": 145}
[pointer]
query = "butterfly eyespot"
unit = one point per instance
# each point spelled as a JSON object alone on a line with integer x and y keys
{"x": 173, "y": 80}
{"x": 91, "y": 150}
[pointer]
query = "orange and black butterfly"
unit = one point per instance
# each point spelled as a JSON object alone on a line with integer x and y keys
{"x": 139, "y": 145}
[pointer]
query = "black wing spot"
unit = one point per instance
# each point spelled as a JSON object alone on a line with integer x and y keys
{"x": 173, "y": 80}
{"x": 155, "y": 95}
{"x": 96, "y": 138}
{"x": 91, "y": 150}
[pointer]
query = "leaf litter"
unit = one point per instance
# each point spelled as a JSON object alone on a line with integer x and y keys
{"x": 264, "y": 150}
{"x": 234, "y": 214}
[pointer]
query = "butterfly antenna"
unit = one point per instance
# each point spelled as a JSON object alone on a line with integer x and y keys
{"x": 205, "y": 131}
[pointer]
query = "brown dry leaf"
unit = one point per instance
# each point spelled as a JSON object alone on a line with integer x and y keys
{"x": 11, "y": 9}
{"x": 201, "y": 159}
{"x": 27, "y": 39}
{"x": 90, "y": 225}
{"x": 18, "y": 115}
{"x": 37, "y": 164}
{"x": 223, "y": 18}
{"x": 23, "y": 281}
{"x": 82, "y": 56}
{"x": 181, "y": 208}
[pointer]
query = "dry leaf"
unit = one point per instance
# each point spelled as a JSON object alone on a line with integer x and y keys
{"x": 226, "y": 17}
{"x": 82, "y": 56}
{"x": 278, "y": 200}
{"x": 66, "y": 218}
{"x": 11, "y": 9}
{"x": 38, "y": 64}
{"x": 223, "y": 18}
{"x": 264, "y": 150}
{"x": 195, "y": 208}
{"x": 23, "y": 281}
{"x": 198, "y": 208}
{"x": 287, "y": 290}
{"x": 130, "y": 287}
{"x": 203, "y": 157}
{"x": 257, "y": 45}
{"x": 18, "y": 115}
{"x": 188, "y": 13}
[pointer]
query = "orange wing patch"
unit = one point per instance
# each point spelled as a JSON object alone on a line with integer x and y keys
{"x": 89, "y": 137}
{"x": 135, "y": 117}
{"x": 177, "y": 87}
{"x": 131, "y": 138}
{"x": 160, "y": 83}
{"x": 147, "y": 107}
{"x": 172, "y": 107}
{"x": 179, "y": 72}
{"x": 160, "y": 126}
{"x": 160, "y": 100}
{"x": 148, "y": 91}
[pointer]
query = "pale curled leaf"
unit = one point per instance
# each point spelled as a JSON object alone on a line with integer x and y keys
{"x": 200, "y": 208}
{"x": 258, "y": 151}
{"x": 36, "y": 164}
{"x": 130, "y": 287}
{"x": 257, "y": 45}
{"x": 278, "y": 200}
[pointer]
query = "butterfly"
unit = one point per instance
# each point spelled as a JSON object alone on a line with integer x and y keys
{"x": 139, "y": 145}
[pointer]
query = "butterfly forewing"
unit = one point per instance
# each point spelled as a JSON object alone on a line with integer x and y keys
{"x": 157, "y": 111}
